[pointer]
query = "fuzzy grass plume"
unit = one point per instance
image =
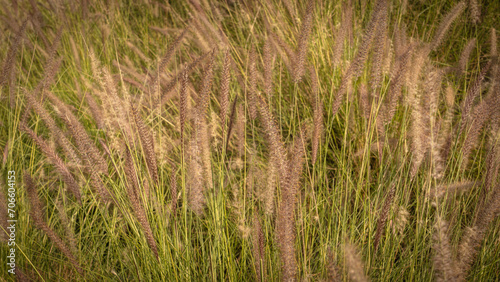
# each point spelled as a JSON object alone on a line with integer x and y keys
{"x": 171, "y": 140}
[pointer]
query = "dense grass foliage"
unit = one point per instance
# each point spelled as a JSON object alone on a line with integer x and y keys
{"x": 251, "y": 140}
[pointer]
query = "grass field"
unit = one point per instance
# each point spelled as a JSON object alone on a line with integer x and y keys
{"x": 250, "y": 140}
